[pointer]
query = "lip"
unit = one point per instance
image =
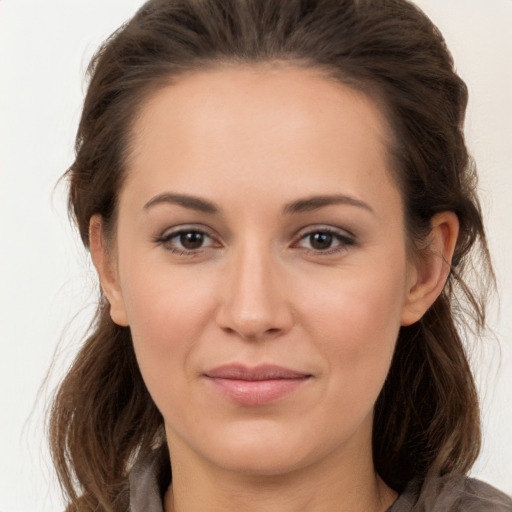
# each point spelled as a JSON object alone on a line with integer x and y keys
{"x": 252, "y": 386}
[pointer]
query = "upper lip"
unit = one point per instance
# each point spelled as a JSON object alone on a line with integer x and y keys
{"x": 255, "y": 373}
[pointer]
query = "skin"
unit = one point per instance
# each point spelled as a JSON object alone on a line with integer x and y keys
{"x": 253, "y": 141}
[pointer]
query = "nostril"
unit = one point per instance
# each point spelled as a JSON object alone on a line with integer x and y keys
{"x": 253, "y": 307}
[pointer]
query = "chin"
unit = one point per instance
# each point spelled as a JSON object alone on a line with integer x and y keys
{"x": 266, "y": 448}
{"x": 261, "y": 461}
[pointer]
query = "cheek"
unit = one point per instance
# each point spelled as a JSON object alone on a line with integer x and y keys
{"x": 356, "y": 320}
{"x": 357, "y": 301}
{"x": 167, "y": 314}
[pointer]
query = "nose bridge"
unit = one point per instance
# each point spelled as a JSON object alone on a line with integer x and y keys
{"x": 255, "y": 301}
{"x": 253, "y": 277}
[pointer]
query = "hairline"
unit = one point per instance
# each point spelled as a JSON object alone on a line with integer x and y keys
{"x": 367, "y": 87}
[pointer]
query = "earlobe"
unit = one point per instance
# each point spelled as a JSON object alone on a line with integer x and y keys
{"x": 105, "y": 264}
{"x": 433, "y": 268}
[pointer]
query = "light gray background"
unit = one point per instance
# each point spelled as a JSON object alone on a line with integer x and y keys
{"x": 47, "y": 284}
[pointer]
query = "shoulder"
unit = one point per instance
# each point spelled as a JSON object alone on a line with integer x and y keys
{"x": 148, "y": 480}
{"x": 452, "y": 493}
{"x": 480, "y": 496}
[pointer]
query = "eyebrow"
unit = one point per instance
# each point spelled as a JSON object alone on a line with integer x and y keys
{"x": 316, "y": 202}
{"x": 185, "y": 200}
{"x": 298, "y": 206}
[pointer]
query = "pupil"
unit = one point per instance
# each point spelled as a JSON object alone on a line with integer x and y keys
{"x": 321, "y": 241}
{"x": 191, "y": 240}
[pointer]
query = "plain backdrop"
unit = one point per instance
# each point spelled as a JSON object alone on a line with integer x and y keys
{"x": 47, "y": 286}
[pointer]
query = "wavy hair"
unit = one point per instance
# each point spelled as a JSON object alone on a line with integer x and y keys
{"x": 427, "y": 416}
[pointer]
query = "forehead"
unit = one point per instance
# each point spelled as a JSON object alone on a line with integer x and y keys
{"x": 279, "y": 126}
{"x": 251, "y": 92}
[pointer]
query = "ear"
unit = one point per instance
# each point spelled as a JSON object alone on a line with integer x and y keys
{"x": 430, "y": 272}
{"x": 106, "y": 265}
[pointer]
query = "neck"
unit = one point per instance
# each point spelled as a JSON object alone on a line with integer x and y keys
{"x": 327, "y": 486}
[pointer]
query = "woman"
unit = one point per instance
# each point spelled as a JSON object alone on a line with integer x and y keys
{"x": 280, "y": 206}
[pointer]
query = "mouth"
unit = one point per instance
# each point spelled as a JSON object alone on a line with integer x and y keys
{"x": 259, "y": 385}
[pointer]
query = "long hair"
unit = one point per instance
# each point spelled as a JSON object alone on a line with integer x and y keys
{"x": 426, "y": 417}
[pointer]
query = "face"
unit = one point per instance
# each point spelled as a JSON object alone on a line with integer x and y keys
{"x": 260, "y": 262}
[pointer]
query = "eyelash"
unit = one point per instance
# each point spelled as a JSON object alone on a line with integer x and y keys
{"x": 166, "y": 240}
{"x": 343, "y": 239}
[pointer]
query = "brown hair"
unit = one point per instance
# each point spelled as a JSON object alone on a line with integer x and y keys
{"x": 426, "y": 417}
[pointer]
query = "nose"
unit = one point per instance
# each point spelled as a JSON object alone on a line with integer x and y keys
{"x": 254, "y": 301}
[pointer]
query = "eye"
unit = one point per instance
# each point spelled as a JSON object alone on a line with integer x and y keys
{"x": 186, "y": 240}
{"x": 191, "y": 240}
{"x": 325, "y": 240}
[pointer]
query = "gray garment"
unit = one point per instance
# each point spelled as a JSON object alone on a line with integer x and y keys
{"x": 149, "y": 479}
{"x": 451, "y": 493}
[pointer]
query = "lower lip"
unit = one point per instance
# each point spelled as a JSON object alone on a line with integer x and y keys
{"x": 256, "y": 392}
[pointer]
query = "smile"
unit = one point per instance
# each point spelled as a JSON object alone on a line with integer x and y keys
{"x": 255, "y": 386}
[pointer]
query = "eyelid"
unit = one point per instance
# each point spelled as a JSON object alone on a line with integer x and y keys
{"x": 169, "y": 233}
{"x": 344, "y": 237}
{"x": 180, "y": 228}
{"x": 326, "y": 228}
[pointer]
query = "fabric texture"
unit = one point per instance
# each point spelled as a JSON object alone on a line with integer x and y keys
{"x": 150, "y": 478}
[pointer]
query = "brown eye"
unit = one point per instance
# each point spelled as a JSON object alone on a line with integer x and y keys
{"x": 321, "y": 241}
{"x": 191, "y": 240}
{"x": 325, "y": 241}
{"x": 185, "y": 241}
